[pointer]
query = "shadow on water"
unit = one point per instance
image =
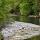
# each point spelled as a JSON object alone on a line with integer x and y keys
{"x": 27, "y": 19}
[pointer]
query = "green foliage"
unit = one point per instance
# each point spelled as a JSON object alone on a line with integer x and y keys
{"x": 35, "y": 6}
{"x": 25, "y": 7}
{"x": 28, "y": 6}
{"x": 1, "y": 37}
{"x": 36, "y": 38}
{"x": 5, "y": 6}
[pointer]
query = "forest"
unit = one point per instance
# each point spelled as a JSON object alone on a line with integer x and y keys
{"x": 20, "y": 8}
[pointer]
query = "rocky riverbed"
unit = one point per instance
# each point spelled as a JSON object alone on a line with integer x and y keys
{"x": 20, "y": 30}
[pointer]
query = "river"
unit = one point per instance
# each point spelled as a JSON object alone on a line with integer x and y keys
{"x": 27, "y": 19}
{"x": 21, "y": 28}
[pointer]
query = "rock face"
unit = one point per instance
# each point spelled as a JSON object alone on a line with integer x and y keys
{"x": 20, "y": 30}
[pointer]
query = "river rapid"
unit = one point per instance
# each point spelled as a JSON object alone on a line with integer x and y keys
{"x": 20, "y": 30}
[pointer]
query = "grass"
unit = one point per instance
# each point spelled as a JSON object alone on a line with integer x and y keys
{"x": 34, "y": 38}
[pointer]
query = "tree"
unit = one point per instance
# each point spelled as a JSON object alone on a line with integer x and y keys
{"x": 35, "y": 7}
{"x": 25, "y": 7}
{"x": 5, "y": 6}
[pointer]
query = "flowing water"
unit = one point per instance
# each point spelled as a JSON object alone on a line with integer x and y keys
{"x": 20, "y": 31}
{"x": 23, "y": 27}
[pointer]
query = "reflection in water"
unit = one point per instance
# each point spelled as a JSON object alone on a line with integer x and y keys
{"x": 24, "y": 19}
{"x": 27, "y": 19}
{"x": 34, "y": 20}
